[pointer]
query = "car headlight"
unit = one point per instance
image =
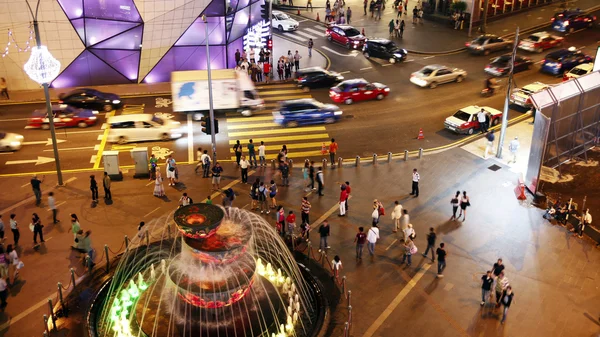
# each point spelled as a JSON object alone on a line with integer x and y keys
{"x": 398, "y": 55}
{"x": 15, "y": 143}
{"x": 19, "y": 137}
{"x": 340, "y": 78}
{"x": 404, "y": 51}
{"x": 479, "y": 47}
{"x": 116, "y": 101}
{"x": 356, "y": 42}
{"x": 93, "y": 118}
{"x": 386, "y": 89}
{"x": 338, "y": 113}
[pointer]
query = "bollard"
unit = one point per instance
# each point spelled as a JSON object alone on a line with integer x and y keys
{"x": 346, "y": 330}
{"x": 293, "y": 244}
{"x": 374, "y": 158}
{"x": 169, "y": 230}
{"x": 126, "y": 243}
{"x": 343, "y": 283}
{"x": 107, "y": 258}
{"x": 291, "y": 162}
{"x": 389, "y": 157}
{"x": 63, "y": 308}
{"x": 405, "y": 155}
{"x": 52, "y": 313}
{"x": 357, "y": 161}
{"x": 420, "y": 153}
{"x": 147, "y": 238}
{"x": 273, "y": 164}
{"x": 349, "y": 297}
{"x": 88, "y": 263}
{"x": 47, "y": 332}
{"x": 349, "y": 313}
{"x": 340, "y": 161}
{"x": 324, "y": 162}
{"x": 73, "y": 278}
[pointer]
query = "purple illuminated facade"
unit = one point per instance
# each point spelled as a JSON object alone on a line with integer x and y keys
{"x": 112, "y": 32}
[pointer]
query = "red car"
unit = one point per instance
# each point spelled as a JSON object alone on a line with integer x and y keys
{"x": 64, "y": 116}
{"x": 358, "y": 90}
{"x": 345, "y": 35}
{"x": 538, "y": 42}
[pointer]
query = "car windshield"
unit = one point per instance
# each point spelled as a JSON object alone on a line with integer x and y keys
{"x": 480, "y": 40}
{"x": 463, "y": 116}
{"x": 426, "y": 71}
{"x": 501, "y": 61}
{"x": 391, "y": 47}
{"x": 578, "y": 71}
{"x": 158, "y": 120}
{"x": 549, "y": 58}
{"x": 350, "y": 32}
{"x": 534, "y": 38}
{"x": 2, "y": 135}
{"x": 282, "y": 16}
{"x": 527, "y": 91}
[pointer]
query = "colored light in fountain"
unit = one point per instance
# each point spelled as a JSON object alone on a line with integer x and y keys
{"x": 141, "y": 284}
{"x": 195, "y": 219}
{"x": 133, "y": 290}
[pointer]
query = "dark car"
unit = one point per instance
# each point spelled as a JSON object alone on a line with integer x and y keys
{"x": 500, "y": 65}
{"x": 556, "y": 63}
{"x": 485, "y": 44}
{"x": 384, "y": 49}
{"x": 572, "y": 20}
{"x": 345, "y": 35}
{"x": 91, "y": 99}
{"x": 316, "y": 77}
{"x": 306, "y": 111}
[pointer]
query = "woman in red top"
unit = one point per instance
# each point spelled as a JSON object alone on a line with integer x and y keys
{"x": 267, "y": 70}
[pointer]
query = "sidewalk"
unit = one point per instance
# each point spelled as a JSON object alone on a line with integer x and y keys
{"x": 433, "y": 37}
{"x": 554, "y": 275}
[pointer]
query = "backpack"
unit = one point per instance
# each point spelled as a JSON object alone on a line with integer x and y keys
{"x": 229, "y": 193}
{"x": 190, "y": 201}
{"x": 261, "y": 193}
{"x": 205, "y": 161}
{"x": 381, "y": 210}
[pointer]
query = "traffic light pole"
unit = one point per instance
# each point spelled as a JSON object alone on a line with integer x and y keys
{"x": 213, "y": 140}
{"x": 270, "y": 60}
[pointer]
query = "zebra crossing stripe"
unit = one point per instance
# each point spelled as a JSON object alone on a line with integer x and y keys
{"x": 314, "y": 31}
{"x": 306, "y": 35}
{"x": 299, "y": 38}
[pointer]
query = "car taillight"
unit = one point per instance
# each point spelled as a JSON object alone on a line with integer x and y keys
{"x": 565, "y": 77}
{"x": 528, "y": 101}
{"x": 60, "y": 101}
{"x": 467, "y": 44}
{"x": 512, "y": 96}
{"x": 300, "y": 78}
{"x": 543, "y": 61}
{"x": 552, "y": 20}
{"x": 502, "y": 70}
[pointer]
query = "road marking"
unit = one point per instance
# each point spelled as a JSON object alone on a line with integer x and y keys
{"x": 306, "y": 35}
{"x": 291, "y": 146}
{"x": 319, "y": 33}
{"x": 45, "y": 142}
{"x": 281, "y": 92}
{"x": 283, "y": 139}
{"x": 102, "y": 143}
{"x": 93, "y": 159}
{"x": 295, "y": 37}
{"x": 70, "y": 180}
{"x": 152, "y": 211}
{"x": 104, "y": 126}
{"x": 326, "y": 215}
{"x": 96, "y": 147}
{"x": 344, "y": 72}
{"x": 72, "y": 148}
{"x": 38, "y": 161}
{"x": 302, "y": 20}
{"x": 28, "y": 311}
{"x": 231, "y": 184}
{"x": 24, "y": 185}
{"x": 276, "y": 131}
{"x": 13, "y": 119}
{"x": 151, "y": 182}
{"x": 366, "y": 68}
{"x": 392, "y": 306}
{"x": 251, "y": 126}
{"x": 85, "y": 131}
{"x": 387, "y": 65}
{"x": 390, "y": 246}
{"x": 249, "y": 119}
{"x": 409, "y": 60}
{"x": 428, "y": 57}
{"x": 49, "y": 209}
{"x": 2, "y": 153}
{"x": 340, "y": 54}
{"x": 100, "y": 137}
{"x": 302, "y": 154}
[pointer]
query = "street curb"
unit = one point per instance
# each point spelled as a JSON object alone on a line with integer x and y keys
{"x": 314, "y": 49}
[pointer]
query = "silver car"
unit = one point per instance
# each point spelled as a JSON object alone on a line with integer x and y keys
{"x": 485, "y": 44}
{"x": 432, "y": 75}
{"x": 10, "y": 141}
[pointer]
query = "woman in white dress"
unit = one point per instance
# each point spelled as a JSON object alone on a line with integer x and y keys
{"x": 159, "y": 189}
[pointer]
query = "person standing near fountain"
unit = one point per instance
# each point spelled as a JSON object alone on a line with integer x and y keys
{"x": 324, "y": 232}
{"x": 320, "y": 181}
{"x": 291, "y": 223}
{"x": 280, "y": 220}
{"x": 262, "y": 198}
{"x": 305, "y": 210}
{"x": 159, "y": 189}
{"x": 273, "y": 194}
{"x": 75, "y": 227}
{"x": 216, "y": 176}
{"x": 372, "y": 237}
{"x": 171, "y": 169}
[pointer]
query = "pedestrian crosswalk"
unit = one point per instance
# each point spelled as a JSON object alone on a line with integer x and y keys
{"x": 301, "y": 142}
{"x": 303, "y": 34}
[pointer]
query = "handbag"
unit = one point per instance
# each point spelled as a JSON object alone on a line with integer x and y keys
{"x": 413, "y": 250}
{"x": 171, "y": 169}
{"x": 31, "y": 227}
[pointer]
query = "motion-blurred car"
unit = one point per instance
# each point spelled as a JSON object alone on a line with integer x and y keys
{"x": 432, "y": 75}
{"x": 580, "y": 70}
{"x": 283, "y": 22}
{"x": 316, "y": 77}
{"x": 91, "y": 99}
{"x": 500, "y": 66}
{"x": 345, "y": 35}
{"x": 464, "y": 121}
{"x": 384, "y": 49}
{"x": 572, "y": 20}
{"x": 142, "y": 127}
{"x": 64, "y": 117}
{"x": 485, "y": 44}
{"x": 538, "y": 42}
{"x": 556, "y": 63}
{"x": 10, "y": 141}
{"x": 305, "y": 111}
{"x": 520, "y": 96}
{"x": 358, "y": 90}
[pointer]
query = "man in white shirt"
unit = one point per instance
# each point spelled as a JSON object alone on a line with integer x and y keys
{"x": 372, "y": 237}
{"x": 587, "y": 219}
{"x": 415, "y": 183}
{"x": 261, "y": 154}
{"x": 52, "y": 206}
{"x": 205, "y": 160}
{"x": 513, "y": 147}
{"x": 482, "y": 119}
{"x": 396, "y": 215}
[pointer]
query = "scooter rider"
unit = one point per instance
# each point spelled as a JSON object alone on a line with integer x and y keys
{"x": 491, "y": 85}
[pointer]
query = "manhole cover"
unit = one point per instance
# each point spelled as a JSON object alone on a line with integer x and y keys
{"x": 494, "y": 167}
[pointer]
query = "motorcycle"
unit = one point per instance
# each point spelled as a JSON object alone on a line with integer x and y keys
{"x": 488, "y": 92}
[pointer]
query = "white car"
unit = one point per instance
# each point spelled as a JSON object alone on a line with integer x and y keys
{"x": 580, "y": 70}
{"x": 520, "y": 96}
{"x": 283, "y": 22}
{"x": 142, "y": 127}
{"x": 10, "y": 141}
{"x": 432, "y": 75}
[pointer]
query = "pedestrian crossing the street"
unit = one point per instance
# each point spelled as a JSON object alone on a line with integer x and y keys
{"x": 301, "y": 142}
{"x": 303, "y": 34}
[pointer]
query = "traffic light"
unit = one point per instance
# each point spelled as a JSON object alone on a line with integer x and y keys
{"x": 206, "y": 127}
{"x": 269, "y": 43}
{"x": 264, "y": 12}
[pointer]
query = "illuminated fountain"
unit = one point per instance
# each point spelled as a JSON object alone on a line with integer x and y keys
{"x": 224, "y": 274}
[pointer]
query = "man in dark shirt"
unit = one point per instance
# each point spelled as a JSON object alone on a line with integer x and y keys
{"x": 311, "y": 175}
{"x": 430, "y": 244}
{"x": 37, "y": 191}
{"x": 486, "y": 286}
{"x": 441, "y": 254}
{"x": 252, "y": 153}
{"x": 360, "y": 240}
{"x": 498, "y": 268}
{"x": 285, "y": 174}
{"x": 324, "y": 233}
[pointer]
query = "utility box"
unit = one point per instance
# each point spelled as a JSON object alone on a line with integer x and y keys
{"x": 111, "y": 164}
{"x": 140, "y": 158}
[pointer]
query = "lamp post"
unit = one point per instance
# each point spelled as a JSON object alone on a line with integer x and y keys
{"x": 507, "y": 97}
{"x": 42, "y": 67}
{"x": 210, "y": 95}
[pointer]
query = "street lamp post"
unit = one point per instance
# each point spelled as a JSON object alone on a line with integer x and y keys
{"x": 210, "y": 95}
{"x": 42, "y": 67}
{"x": 507, "y": 97}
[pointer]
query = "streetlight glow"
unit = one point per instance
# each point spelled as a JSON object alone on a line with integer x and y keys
{"x": 42, "y": 67}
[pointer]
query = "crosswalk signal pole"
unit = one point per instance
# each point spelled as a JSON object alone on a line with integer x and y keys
{"x": 507, "y": 98}
{"x": 213, "y": 140}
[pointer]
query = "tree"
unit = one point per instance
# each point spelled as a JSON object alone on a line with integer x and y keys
{"x": 459, "y": 6}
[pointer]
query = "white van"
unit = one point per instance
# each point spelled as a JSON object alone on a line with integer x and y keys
{"x": 142, "y": 127}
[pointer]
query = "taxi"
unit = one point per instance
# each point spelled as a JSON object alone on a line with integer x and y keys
{"x": 65, "y": 116}
{"x": 359, "y": 89}
{"x": 464, "y": 121}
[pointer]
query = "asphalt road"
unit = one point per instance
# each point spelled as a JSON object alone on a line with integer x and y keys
{"x": 367, "y": 127}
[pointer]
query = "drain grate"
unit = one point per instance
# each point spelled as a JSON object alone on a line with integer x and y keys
{"x": 494, "y": 167}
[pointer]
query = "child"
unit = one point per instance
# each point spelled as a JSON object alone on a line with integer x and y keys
{"x": 305, "y": 230}
{"x": 336, "y": 266}
{"x": 140, "y": 232}
{"x": 208, "y": 200}
{"x": 291, "y": 220}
